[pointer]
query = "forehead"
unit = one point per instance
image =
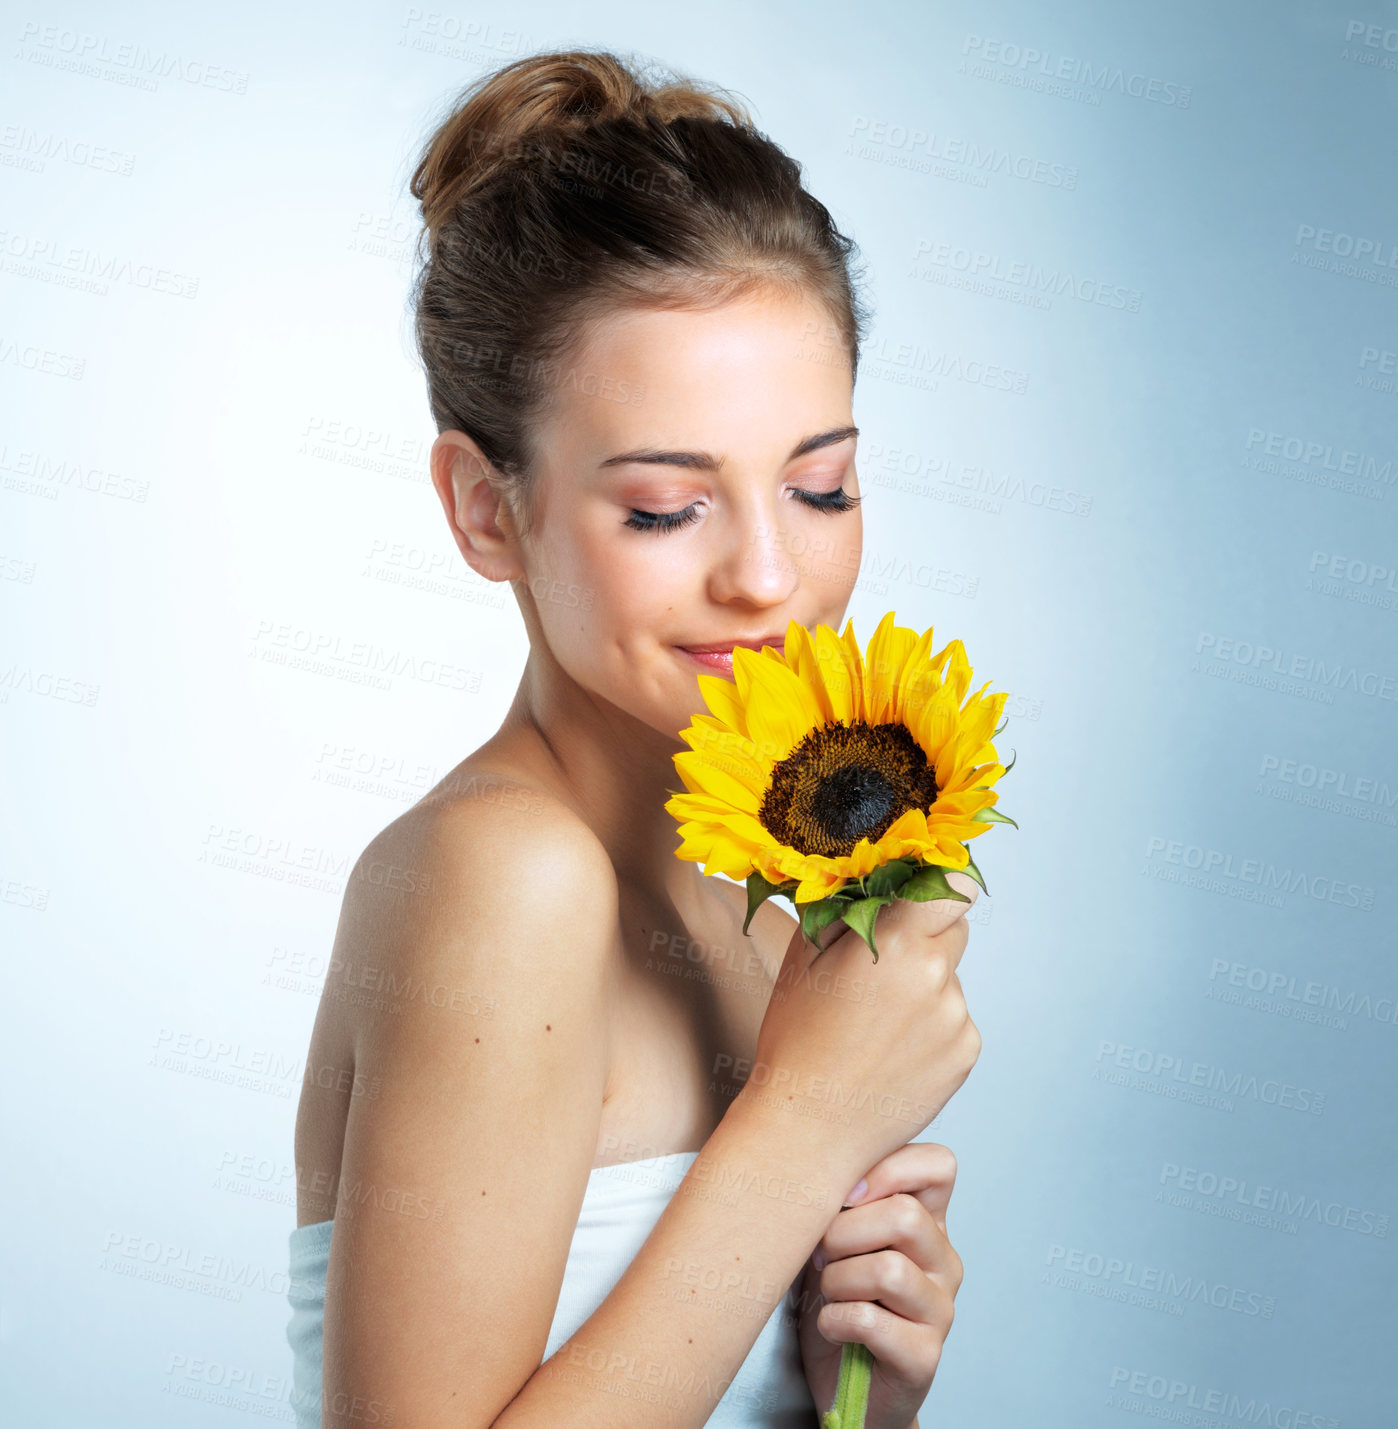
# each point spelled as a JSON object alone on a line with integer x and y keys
{"x": 762, "y": 369}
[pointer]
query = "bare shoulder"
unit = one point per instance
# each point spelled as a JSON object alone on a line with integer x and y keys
{"x": 481, "y": 904}
{"x": 491, "y": 878}
{"x": 488, "y": 913}
{"x": 490, "y": 881}
{"x": 483, "y": 840}
{"x": 477, "y": 821}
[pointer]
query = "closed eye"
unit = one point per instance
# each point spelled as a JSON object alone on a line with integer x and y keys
{"x": 836, "y": 501}
{"x": 662, "y": 520}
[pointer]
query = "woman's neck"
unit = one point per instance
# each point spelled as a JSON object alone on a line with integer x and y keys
{"x": 615, "y": 772}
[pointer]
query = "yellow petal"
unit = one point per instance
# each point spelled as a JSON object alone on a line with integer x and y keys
{"x": 801, "y": 656}
{"x": 958, "y": 675}
{"x": 890, "y": 647}
{"x": 853, "y": 654}
{"x": 722, "y": 698}
{"x": 832, "y": 658}
{"x": 728, "y": 859}
{"x": 816, "y": 887}
{"x": 732, "y": 753}
{"x": 863, "y": 858}
{"x": 702, "y": 776}
{"x": 932, "y": 722}
{"x": 780, "y": 708}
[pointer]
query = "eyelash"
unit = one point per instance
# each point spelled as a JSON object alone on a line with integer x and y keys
{"x": 834, "y": 502}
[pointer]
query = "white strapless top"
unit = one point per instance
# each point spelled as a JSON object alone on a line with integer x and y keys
{"x": 619, "y": 1210}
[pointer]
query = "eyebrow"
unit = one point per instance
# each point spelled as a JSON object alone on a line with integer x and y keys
{"x": 704, "y": 461}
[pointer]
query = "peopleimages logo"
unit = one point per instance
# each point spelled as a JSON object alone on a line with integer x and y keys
{"x": 1199, "y": 1289}
{"x": 1214, "y": 864}
{"x": 977, "y": 263}
{"x": 1331, "y": 791}
{"x": 1184, "y": 1402}
{"x": 1328, "y": 462}
{"x": 1380, "y": 251}
{"x": 1267, "y": 662}
{"x": 1278, "y": 985}
{"x": 955, "y": 149}
{"x": 1027, "y": 59}
{"x": 1349, "y": 578}
{"x": 1165, "y": 1071}
{"x": 1333, "y": 781}
{"x": 1298, "y": 1205}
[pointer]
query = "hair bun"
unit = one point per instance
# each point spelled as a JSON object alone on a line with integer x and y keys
{"x": 506, "y": 113}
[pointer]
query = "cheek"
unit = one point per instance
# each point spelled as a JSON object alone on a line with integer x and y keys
{"x": 590, "y": 587}
{"x": 832, "y": 563}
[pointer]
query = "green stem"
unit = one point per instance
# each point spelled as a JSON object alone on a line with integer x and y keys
{"x": 851, "y": 1389}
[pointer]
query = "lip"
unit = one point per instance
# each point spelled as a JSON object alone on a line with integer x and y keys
{"x": 726, "y": 646}
{"x": 719, "y": 658}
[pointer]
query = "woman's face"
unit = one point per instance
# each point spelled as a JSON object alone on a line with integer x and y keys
{"x": 690, "y": 485}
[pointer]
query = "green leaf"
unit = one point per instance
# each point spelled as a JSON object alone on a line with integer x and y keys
{"x": 860, "y": 915}
{"x": 992, "y": 816}
{"x": 820, "y": 913}
{"x": 997, "y": 733}
{"x": 760, "y": 890}
{"x": 889, "y": 876}
{"x": 971, "y": 871}
{"x": 928, "y": 883}
{"x": 1011, "y": 764}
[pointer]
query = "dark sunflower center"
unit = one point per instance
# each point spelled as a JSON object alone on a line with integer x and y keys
{"x": 843, "y": 783}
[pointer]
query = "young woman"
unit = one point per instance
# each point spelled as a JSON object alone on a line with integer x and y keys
{"x": 569, "y": 1125}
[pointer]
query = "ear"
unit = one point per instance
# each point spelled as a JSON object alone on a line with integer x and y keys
{"x": 477, "y": 514}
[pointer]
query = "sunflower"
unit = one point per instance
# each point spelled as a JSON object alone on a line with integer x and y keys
{"x": 840, "y": 779}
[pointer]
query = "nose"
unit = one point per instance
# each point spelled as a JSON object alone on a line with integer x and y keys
{"x": 758, "y": 566}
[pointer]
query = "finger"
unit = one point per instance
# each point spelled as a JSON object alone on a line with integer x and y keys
{"x": 937, "y": 914}
{"x": 933, "y": 916}
{"x": 924, "y": 932}
{"x": 898, "y": 1222}
{"x": 951, "y": 909}
{"x": 951, "y": 943}
{"x": 896, "y": 1282}
{"x": 924, "y": 1169}
{"x": 948, "y": 940}
{"x": 904, "y": 1349}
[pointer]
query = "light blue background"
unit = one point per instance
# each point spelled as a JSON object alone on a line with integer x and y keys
{"x": 182, "y": 475}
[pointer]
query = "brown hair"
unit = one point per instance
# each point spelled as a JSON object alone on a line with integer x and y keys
{"x": 564, "y": 186}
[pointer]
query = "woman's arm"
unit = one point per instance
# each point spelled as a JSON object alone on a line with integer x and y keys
{"x": 463, "y": 1177}
{"x": 665, "y": 1343}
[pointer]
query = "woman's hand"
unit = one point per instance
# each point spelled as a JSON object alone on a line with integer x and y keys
{"x": 897, "y": 1055}
{"x": 889, "y": 1278}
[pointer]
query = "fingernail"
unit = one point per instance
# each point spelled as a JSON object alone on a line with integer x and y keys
{"x": 858, "y": 1191}
{"x": 818, "y": 1260}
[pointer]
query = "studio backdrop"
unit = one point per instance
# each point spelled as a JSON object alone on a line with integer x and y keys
{"x": 1129, "y": 415}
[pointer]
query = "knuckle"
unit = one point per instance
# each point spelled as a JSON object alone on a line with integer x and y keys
{"x": 888, "y": 1271}
{"x": 973, "y": 1039}
{"x": 909, "y": 1212}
